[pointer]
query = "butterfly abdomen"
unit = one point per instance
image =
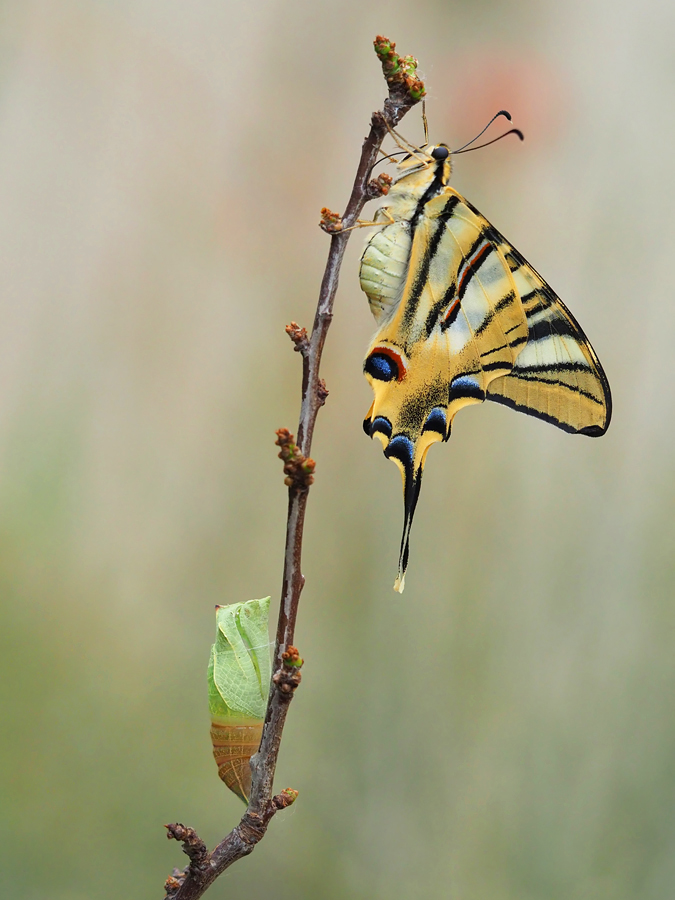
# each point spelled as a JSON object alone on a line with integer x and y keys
{"x": 384, "y": 265}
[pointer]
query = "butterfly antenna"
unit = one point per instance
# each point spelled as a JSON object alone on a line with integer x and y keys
{"x": 389, "y": 156}
{"x": 480, "y": 146}
{"x": 502, "y": 112}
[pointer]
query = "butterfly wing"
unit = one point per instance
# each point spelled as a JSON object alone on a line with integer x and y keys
{"x": 464, "y": 318}
{"x": 451, "y": 326}
{"x": 557, "y": 376}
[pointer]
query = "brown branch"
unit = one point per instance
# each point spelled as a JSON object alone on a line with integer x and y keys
{"x": 195, "y": 848}
{"x": 405, "y": 90}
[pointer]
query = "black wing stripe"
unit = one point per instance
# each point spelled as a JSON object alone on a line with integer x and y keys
{"x": 548, "y": 327}
{"x": 554, "y": 367}
{"x": 491, "y": 367}
{"x": 556, "y": 382}
{"x": 530, "y": 411}
{"x": 423, "y": 271}
{"x": 494, "y": 350}
{"x": 506, "y": 300}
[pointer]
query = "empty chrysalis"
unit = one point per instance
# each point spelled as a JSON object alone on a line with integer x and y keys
{"x": 239, "y": 678}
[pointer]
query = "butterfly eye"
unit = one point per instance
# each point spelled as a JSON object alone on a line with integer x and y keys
{"x": 383, "y": 367}
{"x": 440, "y": 153}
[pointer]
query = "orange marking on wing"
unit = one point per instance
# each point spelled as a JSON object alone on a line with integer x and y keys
{"x": 451, "y": 309}
{"x": 471, "y": 264}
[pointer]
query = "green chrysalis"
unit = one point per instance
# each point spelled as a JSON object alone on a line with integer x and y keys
{"x": 239, "y": 677}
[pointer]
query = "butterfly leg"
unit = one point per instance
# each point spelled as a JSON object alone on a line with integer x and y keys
{"x": 406, "y": 145}
{"x": 331, "y": 222}
{"x": 389, "y": 220}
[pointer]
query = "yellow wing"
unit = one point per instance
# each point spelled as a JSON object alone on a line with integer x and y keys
{"x": 450, "y": 325}
{"x": 557, "y": 376}
{"x": 464, "y": 318}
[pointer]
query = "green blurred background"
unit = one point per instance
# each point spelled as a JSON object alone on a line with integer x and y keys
{"x": 503, "y": 731}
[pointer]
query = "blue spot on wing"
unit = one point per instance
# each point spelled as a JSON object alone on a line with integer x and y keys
{"x": 465, "y": 386}
{"x": 435, "y": 421}
{"x": 382, "y": 424}
{"x": 401, "y": 448}
{"x": 381, "y": 367}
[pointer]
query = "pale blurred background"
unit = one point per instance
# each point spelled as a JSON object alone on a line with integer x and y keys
{"x": 503, "y": 731}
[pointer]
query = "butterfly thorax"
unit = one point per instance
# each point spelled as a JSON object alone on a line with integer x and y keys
{"x": 421, "y": 178}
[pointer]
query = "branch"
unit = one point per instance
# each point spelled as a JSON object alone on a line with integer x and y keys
{"x": 405, "y": 90}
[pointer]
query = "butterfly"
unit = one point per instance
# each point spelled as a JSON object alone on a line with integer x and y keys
{"x": 462, "y": 318}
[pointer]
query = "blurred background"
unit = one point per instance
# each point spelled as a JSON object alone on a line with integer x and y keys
{"x": 504, "y": 730}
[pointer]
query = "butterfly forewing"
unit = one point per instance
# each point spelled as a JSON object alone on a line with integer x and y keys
{"x": 557, "y": 376}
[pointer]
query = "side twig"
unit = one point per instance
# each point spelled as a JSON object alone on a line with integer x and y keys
{"x": 405, "y": 90}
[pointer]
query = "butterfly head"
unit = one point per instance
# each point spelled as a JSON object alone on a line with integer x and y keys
{"x": 427, "y": 164}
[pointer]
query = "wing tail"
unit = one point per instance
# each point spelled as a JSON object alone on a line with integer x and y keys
{"x": 411, "y": 490}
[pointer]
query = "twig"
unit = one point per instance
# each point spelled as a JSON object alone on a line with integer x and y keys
{"x": 195, "y": 848}
{"x": 405, "y": 90}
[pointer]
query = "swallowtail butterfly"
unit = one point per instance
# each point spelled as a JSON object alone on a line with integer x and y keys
{"x": 462, "y": 317}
